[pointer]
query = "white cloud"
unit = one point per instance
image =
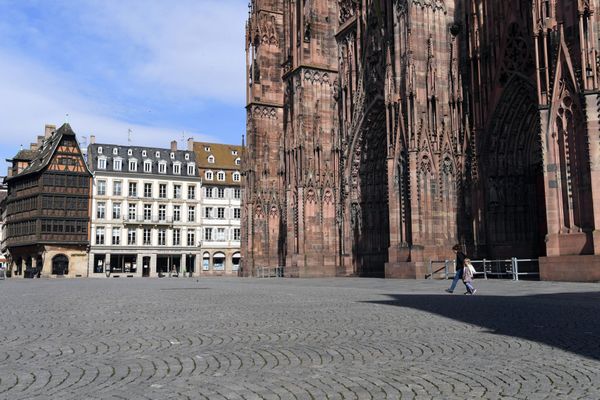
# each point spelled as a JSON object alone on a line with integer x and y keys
{"x": 31, "y": 96}
{"x": 189, "y": 47}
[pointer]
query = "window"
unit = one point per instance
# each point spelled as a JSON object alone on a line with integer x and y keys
{"x": 177, "y": 169}
{"x": 172, "y": 156}
{"x": 219, "y": 261}
{"x": 162, "y": 167}
{"x": 187, "y": 156}
{"x": 208, "y": 234}
{"x": 162, "y": 190}
{"x": 221, "y": 234}
{"x": 99, "y": 149}
{"x": 132, "y": 212}
{"x": 237, "y": 213}
{"x": 236, "y": 176}
{"x": 238, "y": 161}
{"x": 191, "y": 169}
{"x": 221, "y": 212}
{"x": 157, "y": 154}
{"x": 132, "y": 189}
{"x": 115, "y": 151}
{"x": 147, "y": 236}
{"x": 221, "y": 176}
{"x": 234, "y": 152}
{"x": 176, "y": 191}
{"x": 191, "y": 214}
{"x": 221, "y": 193}
{"x": 132, "y": 165}
{"x": 131, "y": 237}
{"x": 117, "y": 164}
{"x": 117, "y": 188}
{"x": 176, "y": 237}
{"x": 101, "y": 210}
{"x": 205, "y": 261}
{"x": 144, "y": 153}
{"x": 237, "y": 234}
{"x": 99, "y": 235}
{"x": 101, "y": 188}
{"x": 116, "y": 236}
{"x": 116, "y": 213}
{"x": 237, "y": 193}
{"x": 208, "y": 191}
{"x": 147, "y": 166}
{"x": 206, "y": 148}
{"x": 211, "y": 159}
{"x": 102, "y": 163}
{"x": 162, "y": 237}
{"x": 191, "y": 192}
{"x": 162, "y": 212}
{"x": 129, "y": 152}
{"x": 208, "y": 175}
{"x": 147, "y": 212}
{"x": 191, "y": 238}
{"x": 208, "y": 212}
{"x": 147, "y": 190}
{"x": 176, "y": 213}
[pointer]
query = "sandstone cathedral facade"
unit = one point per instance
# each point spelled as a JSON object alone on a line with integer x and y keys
{"x": 382, "y": 132}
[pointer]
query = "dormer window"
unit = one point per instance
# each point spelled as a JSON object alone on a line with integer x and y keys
{"x": 236, "y": 176}
{"x": 234, "y": 152}
{"x": 102, "y": 163}
{"x": 221, "y": 176}
{"x": 117, "y": 164}
{"x": 132, "y": 165}
{"x": 208, "y": 175}
{"x": 211, "y": 159}
{"x": 144, "y": 154}
{"x": 147, "y": 166}
{"x": 206, "y": 148}
{"x": 115, "y": 151}
{"x": 172, "y": 156}
{"x": 177, "y": 169}
{"x": 129, "y": 152}
{"x": 157, "y": 154}
{"x": 238, "y": 161}
{"x": 162, "y": 167}
{"x": 187, "y": 156}
{"x": 191, "y": 169}
{"x": 99, "y": 149}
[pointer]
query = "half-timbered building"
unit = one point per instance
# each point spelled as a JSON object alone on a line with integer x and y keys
{"x": 47, "y": 208}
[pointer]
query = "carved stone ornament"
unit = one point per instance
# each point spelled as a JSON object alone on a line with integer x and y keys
{"x": 347, "y": 9}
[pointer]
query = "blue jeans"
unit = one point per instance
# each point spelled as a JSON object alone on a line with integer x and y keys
{"x": 457, "y": 277}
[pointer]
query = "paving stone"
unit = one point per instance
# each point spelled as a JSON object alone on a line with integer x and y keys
{"x": 297, "y": 339}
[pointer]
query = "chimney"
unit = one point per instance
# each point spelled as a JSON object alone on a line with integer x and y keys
{"x": 92, "y": 139}
{"x": 48, "y": 130}
{"x": 174, "y": 145}
{"x": 40, "y": 140}
{"x": 33, "y": 146}
{"x": 190, "y": 144}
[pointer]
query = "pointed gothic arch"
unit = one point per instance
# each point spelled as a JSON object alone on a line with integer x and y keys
{"x": 511, "y": 165}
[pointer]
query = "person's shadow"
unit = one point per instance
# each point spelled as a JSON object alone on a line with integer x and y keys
{"x": 569, "y": 321}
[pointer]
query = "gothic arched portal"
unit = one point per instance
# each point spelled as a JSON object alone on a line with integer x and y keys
{"x": 515, "y": 223}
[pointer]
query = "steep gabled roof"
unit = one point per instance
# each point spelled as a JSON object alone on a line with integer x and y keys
{"x": 42, "y": 157}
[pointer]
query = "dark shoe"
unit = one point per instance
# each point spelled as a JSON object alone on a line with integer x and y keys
{"x": 449, "y": 291}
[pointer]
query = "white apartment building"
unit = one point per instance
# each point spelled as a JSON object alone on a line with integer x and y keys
{"x": 146, "y": 211}
{"x": 219, "y": 169}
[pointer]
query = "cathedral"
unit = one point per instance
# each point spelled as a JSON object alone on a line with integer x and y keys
{"x": 382, "y": 132}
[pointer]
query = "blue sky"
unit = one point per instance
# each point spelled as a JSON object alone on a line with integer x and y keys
{"x": 160, "y": 68}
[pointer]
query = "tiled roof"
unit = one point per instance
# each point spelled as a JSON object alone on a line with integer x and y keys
{"x": 224, "y": 158}
{"x": 114, "y": 151}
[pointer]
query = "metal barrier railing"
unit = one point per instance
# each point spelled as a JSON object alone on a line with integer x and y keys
{"x": 269, "y": 272}
{"x": 507, "y": 268}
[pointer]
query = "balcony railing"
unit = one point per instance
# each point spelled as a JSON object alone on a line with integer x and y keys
{"x": 155, "y": 219}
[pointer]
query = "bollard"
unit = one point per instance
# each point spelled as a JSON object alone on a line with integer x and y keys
{"x": 484, "y": 270}
{"x": 515, "y": 264}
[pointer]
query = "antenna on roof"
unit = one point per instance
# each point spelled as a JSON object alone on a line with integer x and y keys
{"x": 129, "y": 136}
{"x": 182, "y": 138}
{"x": 66, "y": 118}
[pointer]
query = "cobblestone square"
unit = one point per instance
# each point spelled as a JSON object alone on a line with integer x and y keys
{"x": 297, "y": 339}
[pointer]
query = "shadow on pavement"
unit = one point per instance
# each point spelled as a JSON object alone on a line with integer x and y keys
{"x": 568, "y": 321}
